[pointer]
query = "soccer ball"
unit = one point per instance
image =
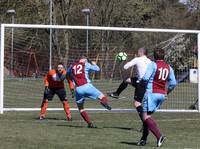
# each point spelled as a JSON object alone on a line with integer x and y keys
{"x": 122, "y": 56}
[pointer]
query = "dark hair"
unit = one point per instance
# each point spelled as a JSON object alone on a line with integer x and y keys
{"x": 159, "y": 54}
{"x": 60, "y": 63}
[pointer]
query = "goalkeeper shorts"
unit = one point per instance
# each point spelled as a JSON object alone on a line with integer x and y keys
{"x": 134, "y": 81}
{"x": 61, "y": 93}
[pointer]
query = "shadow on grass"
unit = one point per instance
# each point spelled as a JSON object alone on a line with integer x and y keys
{"x": 75, "y": 126}
{"x": 129, "y": 143}
{"x": 135, "y": 144}
{"x": 51, "y": 118}
{"x": 72, "y": 126}
{"x": 124, "y": 128}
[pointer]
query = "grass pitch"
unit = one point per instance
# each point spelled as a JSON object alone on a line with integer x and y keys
{"x": 29, "y": 93}
{"x": 22, "y": 130}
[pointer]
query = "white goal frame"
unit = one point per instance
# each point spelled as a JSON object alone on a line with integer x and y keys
{"x": 3, "y": 26}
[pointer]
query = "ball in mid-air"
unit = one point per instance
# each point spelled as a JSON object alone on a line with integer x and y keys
{"x": 122, "y": 56}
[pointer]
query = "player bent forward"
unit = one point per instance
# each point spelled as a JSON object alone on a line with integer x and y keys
{"x": 54, "y": 84}
{"x": 159, "y": 80}
{"x": 80, "y": 75}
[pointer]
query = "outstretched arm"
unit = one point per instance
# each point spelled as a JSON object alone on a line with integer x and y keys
{"x": 92, "y": 67}
{"x": 70, "y": 82}
{"x": 130, "y": 63}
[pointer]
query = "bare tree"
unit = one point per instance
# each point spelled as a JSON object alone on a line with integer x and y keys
{"x": 61, "y": 10}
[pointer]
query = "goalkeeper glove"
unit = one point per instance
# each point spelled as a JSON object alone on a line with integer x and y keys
{"x": 72, "y": 93}
{"x": 46, "y": 90}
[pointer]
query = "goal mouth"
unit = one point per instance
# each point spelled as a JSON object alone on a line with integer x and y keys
{"x": 25, "y": 59}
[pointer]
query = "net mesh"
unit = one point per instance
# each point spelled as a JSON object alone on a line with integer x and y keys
{"x": 26, "y": 65}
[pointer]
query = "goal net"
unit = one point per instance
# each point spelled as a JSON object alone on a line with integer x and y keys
{"x": 27, "y": 55}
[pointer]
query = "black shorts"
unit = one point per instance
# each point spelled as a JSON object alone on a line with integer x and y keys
{"x": 134, "y": 81}
{"x": 61, "y": 93}
{"x": 139, "y": 90}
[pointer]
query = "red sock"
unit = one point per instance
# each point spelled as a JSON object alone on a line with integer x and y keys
{"x": 67, "y": 109}
{"x": 153, "y": 127}
{"x": 44, "y": 108}
{"x": 104, "y": 100}
{"x": 85, "y": 116}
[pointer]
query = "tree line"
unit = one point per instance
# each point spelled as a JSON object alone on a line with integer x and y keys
{"x": 102, "y": 44}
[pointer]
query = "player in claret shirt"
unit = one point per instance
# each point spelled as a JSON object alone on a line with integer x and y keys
{"x": 80, "y": 75}
{"x": 54, "y": 84}
{"x": 159, "y": 80}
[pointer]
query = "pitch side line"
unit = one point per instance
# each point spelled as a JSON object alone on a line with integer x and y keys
{"x": 96, "y": 110}
{"x": 97, "y": 121}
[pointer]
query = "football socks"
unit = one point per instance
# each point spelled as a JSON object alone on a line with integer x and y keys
{"x": 67, "y": 109}
{"x": 85, "y": 116}
{"x": 44, "y": 108}
{"x": 121, "y": 87}
{"x": 153, "y": 127}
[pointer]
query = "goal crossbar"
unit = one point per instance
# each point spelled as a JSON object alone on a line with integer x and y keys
{"x": 3, "y": 26}
{"x": 102, "y": 28}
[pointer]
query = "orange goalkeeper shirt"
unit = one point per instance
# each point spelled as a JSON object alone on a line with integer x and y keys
{"x": 55, "y": 80}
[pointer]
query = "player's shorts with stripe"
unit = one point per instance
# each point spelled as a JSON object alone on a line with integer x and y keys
{"x": 87, "y": 91}
{"x": 152, "y": 101}
{"x": 60, "y": 92}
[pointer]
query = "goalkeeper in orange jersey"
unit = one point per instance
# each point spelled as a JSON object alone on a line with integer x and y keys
{"x": 54, "y": 84}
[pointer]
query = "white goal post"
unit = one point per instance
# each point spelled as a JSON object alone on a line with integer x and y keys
{"x": 96, "y": 28}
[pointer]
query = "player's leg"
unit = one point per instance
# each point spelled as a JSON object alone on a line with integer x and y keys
{"x": 80, "y": 99}
{"x": 145, "y": 129}
{"x": 152, "y": 126}
{"x": 139, "y": 108}
{"x": 145, "y": 133}
{"x": 44, "y": 106}
{"x": 94, "y": 94}
{"x": 62, "y": 95}
{"x": 151, "y": 104}
{"x": 48, "y": 95}
{"x": 138, "y": 97}
{"x": 104, "y": 101}
{"x": 85, "y": 115}
{"x": 121, "y": 87}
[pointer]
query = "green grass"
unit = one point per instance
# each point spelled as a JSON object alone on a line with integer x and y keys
{"x": 28, "y": 94}
{"x": 21, "y": 130}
